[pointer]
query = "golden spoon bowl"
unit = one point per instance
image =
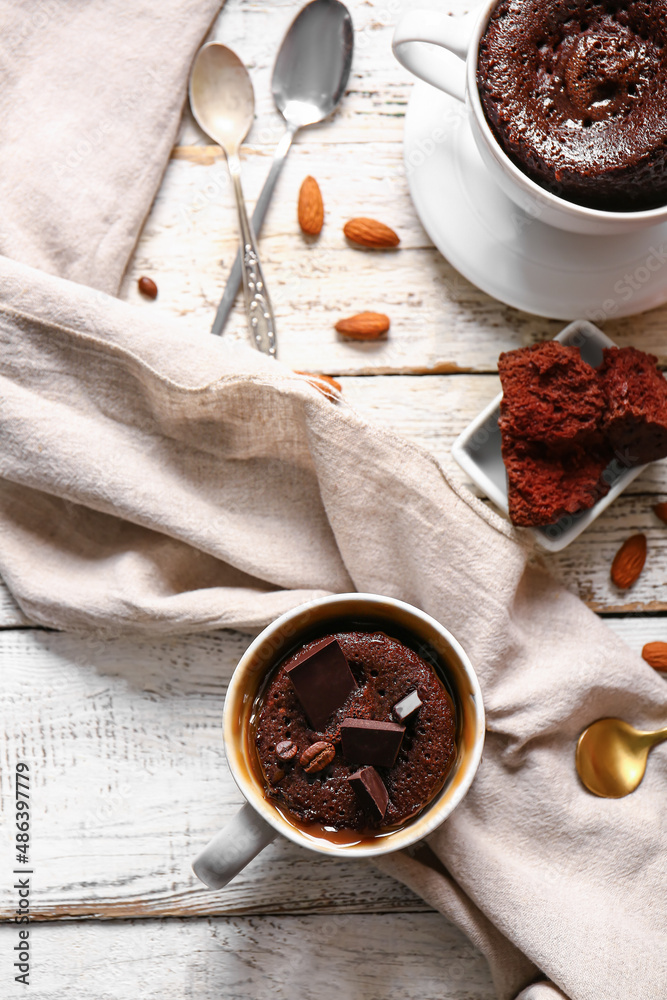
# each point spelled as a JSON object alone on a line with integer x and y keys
{"x": 611, "y": 756}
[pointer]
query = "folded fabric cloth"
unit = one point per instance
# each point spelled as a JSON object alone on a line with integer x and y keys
{"x": 92, "y": 95}
{"x": 161, "y": 481}
{"x": 155, "y": 480}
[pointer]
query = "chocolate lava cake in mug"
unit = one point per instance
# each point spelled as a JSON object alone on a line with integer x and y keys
{"x": 576, "y": 94}
{"x": 354, "y": 731}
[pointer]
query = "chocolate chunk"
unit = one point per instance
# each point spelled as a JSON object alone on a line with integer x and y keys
{"x": 365, "y": 741}
{"x": 404, "y": 708}
{"x": 322, "y": 679}
{"x": 369, "y": 789}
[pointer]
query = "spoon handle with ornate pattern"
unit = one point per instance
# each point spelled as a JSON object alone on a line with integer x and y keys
{"x": 258, "y": 304}
{"x": 261, "y": 206}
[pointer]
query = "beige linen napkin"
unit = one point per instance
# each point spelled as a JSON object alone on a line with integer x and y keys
{"x": 92, "y": 94}
{"x": 158, "y": 481}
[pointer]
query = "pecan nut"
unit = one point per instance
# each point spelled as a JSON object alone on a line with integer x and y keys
{"x": 317, "y": 756}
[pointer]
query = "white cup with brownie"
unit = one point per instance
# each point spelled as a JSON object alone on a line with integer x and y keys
{"x": 566, "y": 102}
{"x": 353, "y": 725}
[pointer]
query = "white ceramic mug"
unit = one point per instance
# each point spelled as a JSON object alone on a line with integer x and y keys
{"x": 259, "y": 821}
{"x": 419, "y": 40}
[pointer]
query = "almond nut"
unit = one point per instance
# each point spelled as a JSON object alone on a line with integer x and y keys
{"x": 629, "y": 561}
{"x": 311, "y": 207}
{"x": 370, "y": 233}
{"x": 317, "y": 757}
{"x": 363, "y": 326}
{"x": 325, "y": 384}
{"x": 655, "y": 654}
{"x": 660, "y": 510}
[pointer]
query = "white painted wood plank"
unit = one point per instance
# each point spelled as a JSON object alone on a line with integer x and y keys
{"x": 440, "y": 322}
{"x": 128, "y": 780}
{"x": 11, "y": 615}
{"x": 393, "y": 957}
{"x": 640, "y": 630}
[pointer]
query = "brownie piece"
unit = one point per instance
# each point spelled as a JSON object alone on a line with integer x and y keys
{"x": 385, "y": 670}
{"x": 575, "y": 93}
{"x": 544, "y": 486}
{"x": 550, "y": 395}
{"x": 636, "y": 405}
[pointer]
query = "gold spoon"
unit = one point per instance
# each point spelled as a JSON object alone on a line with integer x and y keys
{"x": 611, "y": 756}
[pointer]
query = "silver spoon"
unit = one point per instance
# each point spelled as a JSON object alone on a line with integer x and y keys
{"x": 223, "y": 103}
{"x": 309, "y": 78}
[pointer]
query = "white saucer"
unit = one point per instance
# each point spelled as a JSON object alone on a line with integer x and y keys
{"x": 505, "y": 251}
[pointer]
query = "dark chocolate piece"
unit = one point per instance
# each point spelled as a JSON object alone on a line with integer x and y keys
{"x": 370, "y": 791}
{"x": 407, "y": 706}
{"x": 365, "y": 741}
{"x": 322, "y": 680}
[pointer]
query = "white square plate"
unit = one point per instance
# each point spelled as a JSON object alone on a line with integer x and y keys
{"x": 477, "y": 451}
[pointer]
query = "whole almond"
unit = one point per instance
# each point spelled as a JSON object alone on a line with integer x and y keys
{"x": 316, "y": 757}
{"x": 655, "y": 654}
{"x": 363, "y": 326}
{"x": 629, "y": 561}
{"x": 370, "y": 233}
{"x": 325, "y": 384}
{"x": 311, "y": 207}
{"x": 660, "y": 510}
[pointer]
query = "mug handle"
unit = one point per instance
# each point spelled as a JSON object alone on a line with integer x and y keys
{"x": 233, "y": 848}
{"x": 415, "y": 39}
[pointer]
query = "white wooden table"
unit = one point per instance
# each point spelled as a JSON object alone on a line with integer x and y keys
{"x": 128, "y": 777}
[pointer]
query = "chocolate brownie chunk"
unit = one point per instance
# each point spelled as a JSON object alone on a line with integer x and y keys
{"x": 550, "y": 395}
{"x": 544, "y": 486}
{"x": 385, "y": 671}
{"x": 575, "y": 93}
{"x": 636, "y": 415}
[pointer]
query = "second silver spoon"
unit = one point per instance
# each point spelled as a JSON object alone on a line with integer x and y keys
{"x": 309, "y": 79}
{"x": 223, "y": 103}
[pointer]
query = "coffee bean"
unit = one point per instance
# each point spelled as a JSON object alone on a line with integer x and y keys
{"x": 286, "y": 750}
{"x": 147, "y": 287}
{"x": 277, "y": 774}
{"x": 317, "y": 756}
